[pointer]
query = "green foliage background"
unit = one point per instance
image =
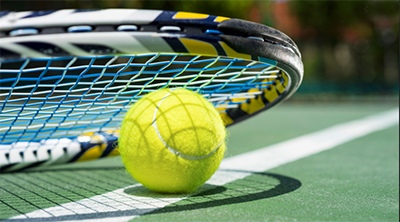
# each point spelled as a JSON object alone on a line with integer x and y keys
{"x": 348, "y": 47}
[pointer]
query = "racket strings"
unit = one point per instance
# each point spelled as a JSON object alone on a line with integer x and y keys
{"x": 51, "y": 98}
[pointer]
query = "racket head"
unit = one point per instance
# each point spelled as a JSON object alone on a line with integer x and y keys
{"x": 72, "y": 74}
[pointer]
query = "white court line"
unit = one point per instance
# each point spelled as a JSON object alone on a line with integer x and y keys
{"x": 255, "y": 161}
{"x": 303, "y": 146}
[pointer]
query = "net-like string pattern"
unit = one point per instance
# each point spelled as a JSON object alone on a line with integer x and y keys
{"x": 45, "y": 98}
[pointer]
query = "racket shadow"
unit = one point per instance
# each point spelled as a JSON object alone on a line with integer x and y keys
{"x": 97, "y": 181}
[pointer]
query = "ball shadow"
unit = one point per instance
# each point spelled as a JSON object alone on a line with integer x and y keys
{"x": 141, "y": 191}
{"x": 285, "y": 185}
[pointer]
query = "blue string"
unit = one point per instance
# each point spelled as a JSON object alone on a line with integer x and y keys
{"x": 71, "y": 94}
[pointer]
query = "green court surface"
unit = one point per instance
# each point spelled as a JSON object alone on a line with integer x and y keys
{"x": 353, "y": 181}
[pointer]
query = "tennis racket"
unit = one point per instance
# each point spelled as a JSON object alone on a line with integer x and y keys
{"x": 68, "y": 77}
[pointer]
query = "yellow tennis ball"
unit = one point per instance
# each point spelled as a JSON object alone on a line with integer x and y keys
{"x": 172, "y": 141}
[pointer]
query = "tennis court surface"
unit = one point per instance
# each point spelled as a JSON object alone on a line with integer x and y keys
{"x": 296, "y": 162}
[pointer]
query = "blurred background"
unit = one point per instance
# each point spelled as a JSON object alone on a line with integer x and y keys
{"x": 350, "y": 49}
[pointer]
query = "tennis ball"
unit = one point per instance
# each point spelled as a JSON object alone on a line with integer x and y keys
{"x": 172, "y": 141}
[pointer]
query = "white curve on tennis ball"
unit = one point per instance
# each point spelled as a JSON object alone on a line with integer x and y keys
{"x": 172, "y": 150}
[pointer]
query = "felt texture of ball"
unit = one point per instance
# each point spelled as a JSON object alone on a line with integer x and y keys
{"x": 172, "y": 140}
